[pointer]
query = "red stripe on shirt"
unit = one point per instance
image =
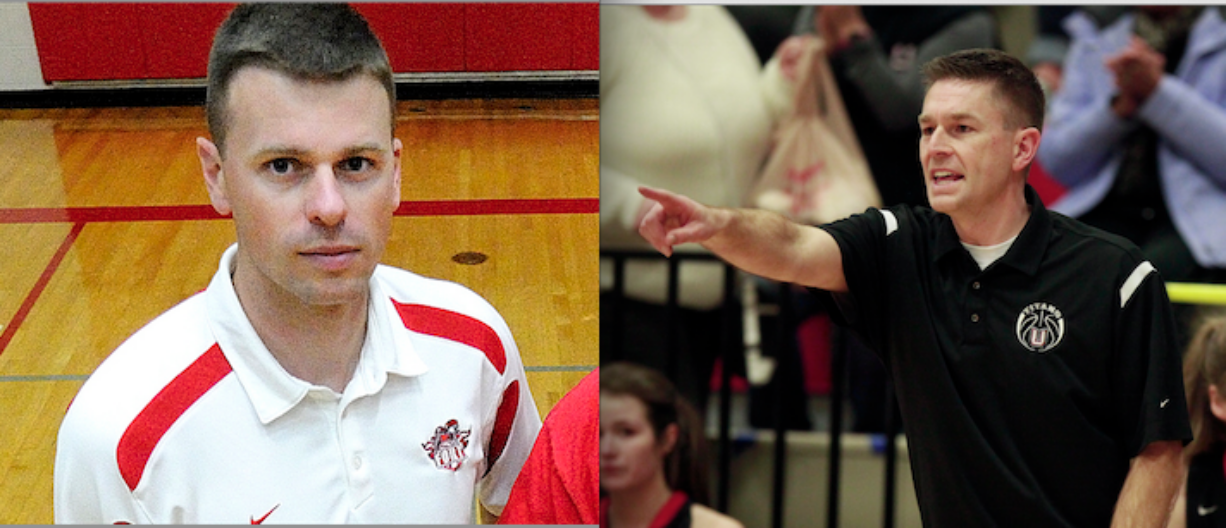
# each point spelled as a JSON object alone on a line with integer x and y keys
{"x": 144, "y": 433}
{"x": 669, "y": 511}
{"x": 502, "y": 424}
{"x": 456, "y": 327}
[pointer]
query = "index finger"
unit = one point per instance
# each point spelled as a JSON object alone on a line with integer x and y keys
{"x": 665, "y": 198}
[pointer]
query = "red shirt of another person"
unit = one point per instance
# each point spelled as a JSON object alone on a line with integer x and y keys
{"x": 560, "y": 482}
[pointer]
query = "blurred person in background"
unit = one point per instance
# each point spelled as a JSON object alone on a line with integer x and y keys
{"x": 1045, "y": 55}
{"x": 652, "y": 455}
{"x": 686, "y": 106}
{"x": 1204, "y": 374}
{"x": 765, "y": 25}
{"x": 1135, "y": 135}
{"x": 1051, "y": 42}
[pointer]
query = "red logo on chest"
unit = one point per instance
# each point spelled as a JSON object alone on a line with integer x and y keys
{"x": 447, "y": 447}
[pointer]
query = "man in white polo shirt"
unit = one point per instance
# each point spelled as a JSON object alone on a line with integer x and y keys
{"x": 307, "y": 383}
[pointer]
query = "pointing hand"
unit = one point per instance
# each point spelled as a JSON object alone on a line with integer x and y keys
{"x": 675, "y": 219}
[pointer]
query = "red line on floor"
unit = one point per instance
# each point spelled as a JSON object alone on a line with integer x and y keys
{"x": 39, "y": 286}
{"x": 107, "y": 214}
{"x": 496, "y": 207}
{"x": 146, "y": 213}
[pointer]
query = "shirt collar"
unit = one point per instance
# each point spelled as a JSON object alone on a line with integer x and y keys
{"x": 271, "y": 389}
{"x": 388, "y": 349}
{"x": 1027, "y": 251}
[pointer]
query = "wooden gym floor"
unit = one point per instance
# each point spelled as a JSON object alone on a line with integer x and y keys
{"x": 105, "y": 223}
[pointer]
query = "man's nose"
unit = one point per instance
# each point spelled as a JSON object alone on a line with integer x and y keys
{"x": 937, "y": 143}
{"x": 325, "y": 201}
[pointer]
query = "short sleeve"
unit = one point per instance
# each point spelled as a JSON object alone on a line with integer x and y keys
{"x": 514, "y": 427}
{"x": 862, "y": 242}
{"x": 1151, "y": 405}
{"x": 88, "y": 488}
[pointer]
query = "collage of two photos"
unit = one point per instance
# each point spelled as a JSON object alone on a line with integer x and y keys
{"x": 615, "y": 265}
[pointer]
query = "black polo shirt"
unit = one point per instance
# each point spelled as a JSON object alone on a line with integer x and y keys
{"x": 1025, "y": 388}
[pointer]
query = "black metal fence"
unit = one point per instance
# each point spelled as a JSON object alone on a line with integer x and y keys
{"x": 732, "y": 344}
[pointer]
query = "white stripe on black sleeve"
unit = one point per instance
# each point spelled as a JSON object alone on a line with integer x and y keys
{"x": 891, "y": 222}
{"x": 1134, "y": 281}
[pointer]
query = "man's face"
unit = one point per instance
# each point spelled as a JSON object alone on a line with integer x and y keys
{"x": 965, "y": 149}
{"x": 312, "y": 176}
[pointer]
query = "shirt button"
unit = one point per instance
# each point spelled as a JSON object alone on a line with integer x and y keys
{"x": 357, "y": 462}
{"x": 975, "y": 285}
{"x": 974, "y": 318}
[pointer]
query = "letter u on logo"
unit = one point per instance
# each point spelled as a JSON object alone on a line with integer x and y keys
{"x": 1038, "y": 337}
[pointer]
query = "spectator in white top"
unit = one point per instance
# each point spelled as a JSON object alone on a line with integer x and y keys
{"x": 684, "y": 105}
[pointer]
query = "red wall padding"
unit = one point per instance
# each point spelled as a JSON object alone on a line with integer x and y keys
{"x": 169, "y": 41}
{"x": 586, "y": 44}
{"x": 518, "y": 37}
{"x": 88, "y": 41}
{"x": 421, "y": 37}
{"x": 177, "y": 37}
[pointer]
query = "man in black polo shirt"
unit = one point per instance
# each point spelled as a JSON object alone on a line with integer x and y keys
{"x": 1034, "y": 357}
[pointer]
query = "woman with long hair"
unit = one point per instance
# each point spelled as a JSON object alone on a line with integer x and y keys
{"x": 1202, "y": 501}
{"x": 652, "y": 455}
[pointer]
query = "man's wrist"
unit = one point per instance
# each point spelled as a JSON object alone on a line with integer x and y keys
{"x": 721, "y": 218}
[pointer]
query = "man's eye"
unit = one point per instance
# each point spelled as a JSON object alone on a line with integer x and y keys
{"x": 927, "y": 131}
{"x": 357, "y": 164}
{"x": 281, "y": 166}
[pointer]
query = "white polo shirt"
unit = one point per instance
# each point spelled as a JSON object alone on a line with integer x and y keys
{"x": 192, "y": 420}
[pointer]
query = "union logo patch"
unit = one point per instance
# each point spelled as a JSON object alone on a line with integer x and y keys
{"x": 447, "y": 447}
{"x": 1040, "y": 327}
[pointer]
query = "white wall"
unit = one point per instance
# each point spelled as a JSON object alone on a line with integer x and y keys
{"x": 19, "y": 68}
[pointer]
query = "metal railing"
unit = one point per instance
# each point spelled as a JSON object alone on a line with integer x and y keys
{"x": 731, "y": 345}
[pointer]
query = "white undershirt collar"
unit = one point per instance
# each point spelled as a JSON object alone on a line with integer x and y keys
{"x": 985, "y": 255}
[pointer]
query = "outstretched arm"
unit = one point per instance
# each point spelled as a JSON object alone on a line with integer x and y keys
{"x": 1152, "y": 486}
{"x": 760, "y": 242}
{"x": 1179, "y": 515}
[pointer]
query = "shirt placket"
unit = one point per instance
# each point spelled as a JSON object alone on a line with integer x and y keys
{"x": 353, "y": 450}
{"x": 976, "y": 325}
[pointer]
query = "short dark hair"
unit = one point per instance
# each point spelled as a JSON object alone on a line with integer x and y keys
{"x": 1014, "y": 81}
{"x": 315, "y": 42}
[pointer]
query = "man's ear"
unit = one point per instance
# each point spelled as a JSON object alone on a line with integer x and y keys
{"x": 1025, "y": 147}
{"x": 397, "y": 149}
{"x": 214, "y": 176}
